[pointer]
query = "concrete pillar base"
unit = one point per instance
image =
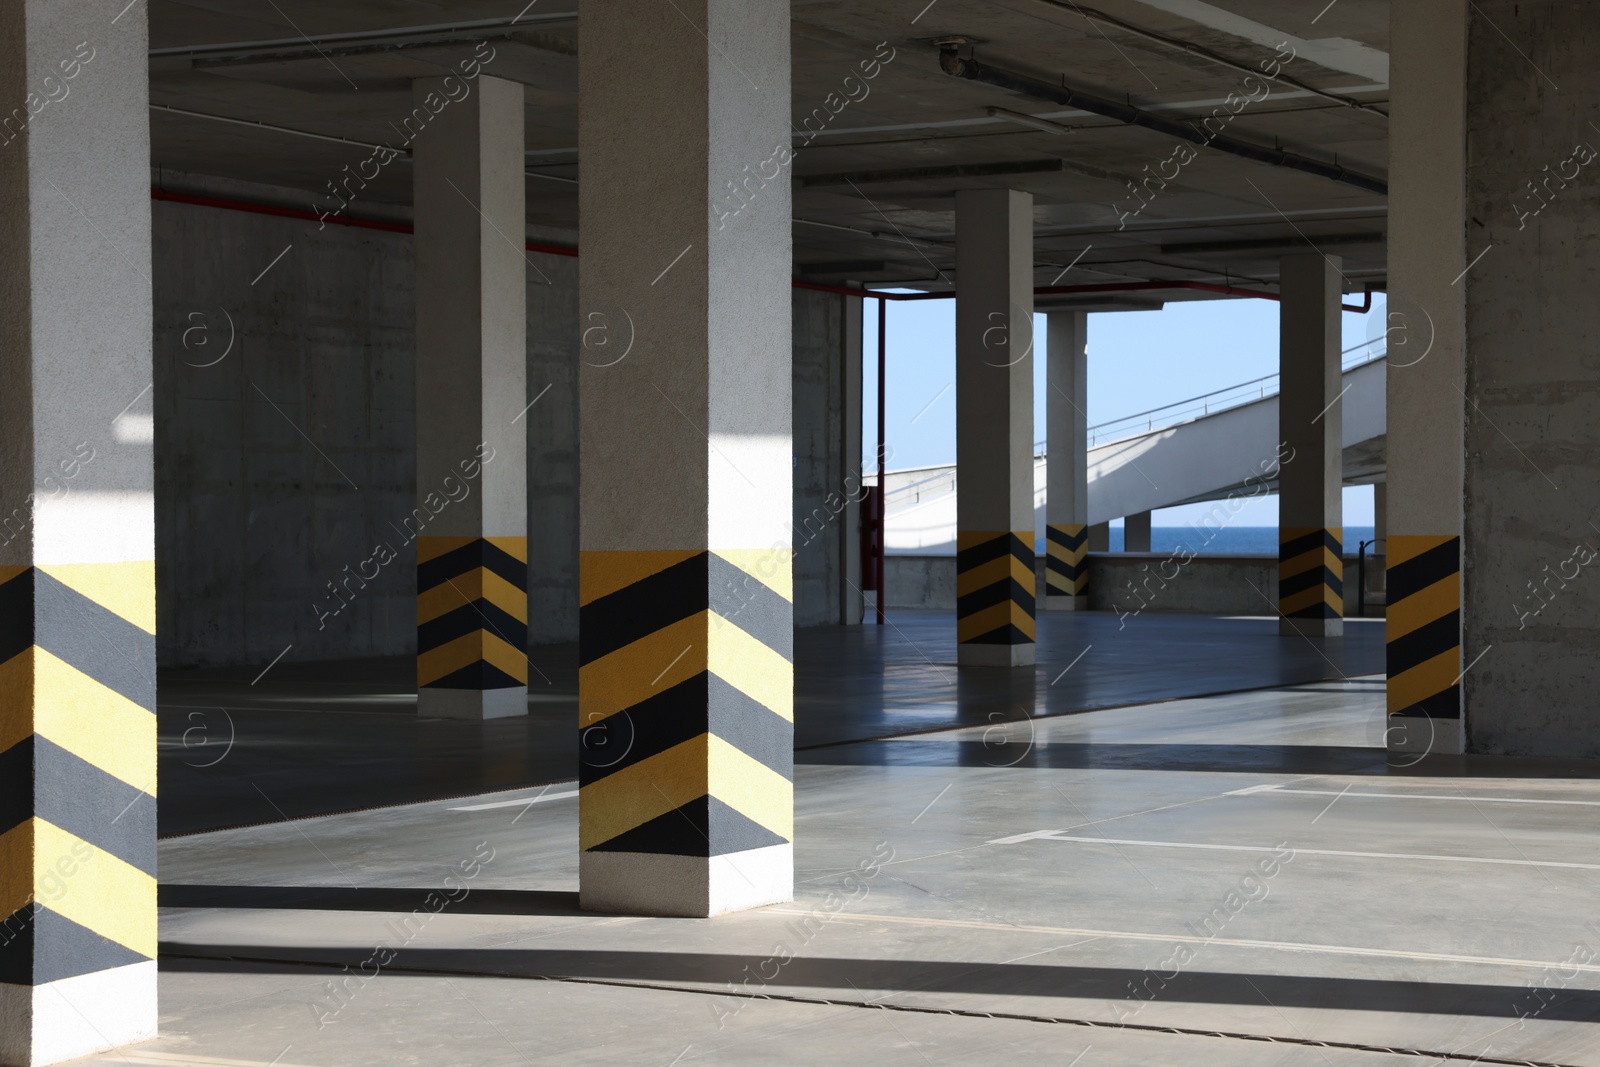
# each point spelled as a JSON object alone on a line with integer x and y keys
{"x": 971, "y": 655}
{"x": 1066, "y": 603}
{"x": 1311, "y": 627}
{"x": 1420, "y": 734}
{"x": 472, "y": 703}
{"x": 77, "y": 1017}
{"x": 651, "y": 883}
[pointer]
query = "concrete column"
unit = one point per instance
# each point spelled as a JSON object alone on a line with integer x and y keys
{"x": 1136, "y": 532}
{"x": 686, "y": 686}
{"x": 1530, "y": 587}
{"x": 1100, "y": 537}
{"x": 852, "y": 601}
{"x": 1380, "y": 513}
{"x": 995, "y": 580}
{"x": 1311, "y": 494}
{"x": 1426, "y": 336}
{"x": 1067, "y": 462}
{"x": 77, "y": 535}
{"x": 471, "y": 520}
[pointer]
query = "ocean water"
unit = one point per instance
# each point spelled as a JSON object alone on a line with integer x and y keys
{"x": 1239, "y": 540}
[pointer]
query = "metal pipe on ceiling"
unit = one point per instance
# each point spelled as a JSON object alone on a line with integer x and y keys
{"x": 1092, "y": 16}
{"x": 363, "y": 37}
{"x": 952, "y": 63}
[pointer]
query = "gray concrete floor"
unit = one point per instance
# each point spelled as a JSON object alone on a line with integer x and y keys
{"x": 954, "y": 905}
{"x": 246, "y": 746}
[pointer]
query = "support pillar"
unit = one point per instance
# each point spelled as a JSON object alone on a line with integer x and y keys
{"x": 852, "y": 599}
{"x": 77, "y": 537}
{"x": 686, "y": 678}
{"x": 1136, "y": 532}
{"x": 996, "y": 584}
{"x": 1311, "y": 494}
{"x": 471, "y": 520}
{"x": 1067, "y": 462}
{"x": 1426, "y": 374}
{"x": 1100, "y": 537}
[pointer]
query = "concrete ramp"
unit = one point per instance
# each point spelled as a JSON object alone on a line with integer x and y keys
{"x": 1201, "y": 458}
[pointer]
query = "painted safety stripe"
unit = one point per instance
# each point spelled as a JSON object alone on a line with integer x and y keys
{"x": 1310, "y": 573}
{"x": 1067, "y": 559}
{"x": 77, "y": 769}
{"x": 472, "y": 612}
{"x": 995, "y": 585}
{"x": 1423, "y": 626}
{"x": 686, "y": 701}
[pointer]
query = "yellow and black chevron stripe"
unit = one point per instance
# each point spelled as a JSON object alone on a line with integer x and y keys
{"x": 1310, "y": 573}
{"x": 77, "y": 769}
{"x": 1066, "y": 565}
{"x": 995, "y": 584}
{"x": 472, "y": 612}
{"x": 1424, "y": 626}
{"x": 685, "y": 702}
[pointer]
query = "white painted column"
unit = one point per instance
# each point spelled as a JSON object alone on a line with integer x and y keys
{"x": 77, "y": 535}
{"x": 1067, "y": 462}
{"x": 471, "y": 520}
{"x": 996, "y": 586}
{"x": 1426, "y": 371}
{"x": 685, "y": 690}
{"x": 1311, "y": 500}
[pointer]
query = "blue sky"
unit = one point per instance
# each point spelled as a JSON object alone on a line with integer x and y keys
{"x": 1137, "y": 360}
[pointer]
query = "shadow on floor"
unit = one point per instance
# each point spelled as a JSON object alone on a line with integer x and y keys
{"x": 868, "y": 977}
{"x": 338, "y": 898}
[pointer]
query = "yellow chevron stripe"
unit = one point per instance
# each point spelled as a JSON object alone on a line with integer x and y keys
{"x": 966, "y": 539}
{"x": 602, "y": 573}
{"x": 478, "y": 584}
{"x": 94, "y": 723}
{"x": 429, "y": 547}
{"x": 1317, "y": 594}
{"x": 107, "y": 895}
{"x": 1405, "y": 547}
{"x": 1065, "y": 554}
{"x": 1430, "y": 677}
{"x": 635, "y": 795}
{"x": 16, "y": 867}
{"x": 751, "y": 788}
{"x": 996, "y": 570}
{"x": 1062, "y": 585}
{"x": 757, "y": 561}
{"x": 16, "y": 700}
{"x": 1424, "y": 606}
{"x": 126, "y": 589}
{"x": 9, "y": 571}
{"x": 635, "y": 672}
{"x": 667, "y": 781}
{"x": 750, "y": 667}
{"x": 1321, "y": 556}
{"x": 515, "y": 547}
{"x": 993, "y": 618}
{"x": 468, "y": 649}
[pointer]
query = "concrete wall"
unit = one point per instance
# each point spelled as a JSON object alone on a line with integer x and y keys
{"x": 1532, "y": 428}
{"x": 1209, "y": 585}
{"x": 287, "y": 460}
{"x": 283, "y": 462}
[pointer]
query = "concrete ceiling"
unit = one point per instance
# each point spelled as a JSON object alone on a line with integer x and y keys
{"x": 1223, "y": 219}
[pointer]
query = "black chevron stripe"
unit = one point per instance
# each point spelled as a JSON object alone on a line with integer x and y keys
{"x": 699, "y": 705}
{"x": 1419, "y": 572}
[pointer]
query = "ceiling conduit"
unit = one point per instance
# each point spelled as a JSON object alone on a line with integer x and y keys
{"x": 952, "y": 63}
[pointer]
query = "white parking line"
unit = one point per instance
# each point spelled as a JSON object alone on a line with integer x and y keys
{"x": 1051, "y": 835}
{"x": 543, "y": 798}
{"x": 1258, "y": 789}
